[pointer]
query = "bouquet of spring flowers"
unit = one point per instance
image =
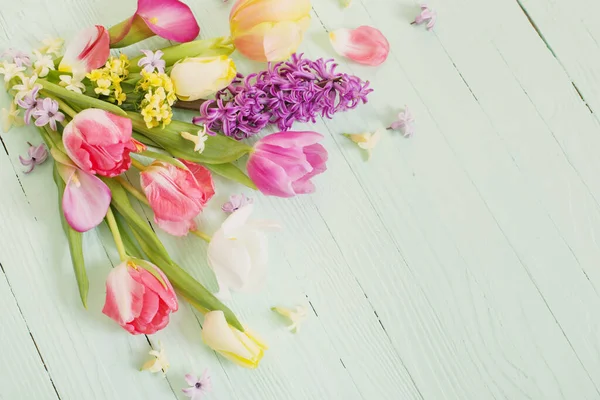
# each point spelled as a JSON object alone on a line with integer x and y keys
{"x": 101, "y": 115}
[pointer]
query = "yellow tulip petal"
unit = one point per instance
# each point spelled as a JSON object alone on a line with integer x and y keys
{"x": 254, "y": 12}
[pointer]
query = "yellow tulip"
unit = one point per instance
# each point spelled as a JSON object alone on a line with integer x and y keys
{"x": 198, "y": 77}
{"x": 243, "y": 348}
{"x": 269, "y": 30}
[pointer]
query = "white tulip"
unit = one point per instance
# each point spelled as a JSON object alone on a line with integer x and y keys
{"x": 199, "y": 77}
{"x": 243, "y": 348}
{"x": 238, "y": 253}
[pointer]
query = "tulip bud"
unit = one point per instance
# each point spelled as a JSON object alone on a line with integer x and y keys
{"x": 283, "y": 164}
{"x": 137, "y": 300}
{"x": 269, "y": 30}
{"x": 199, "y": 77}
{"x": 242, "y": 348}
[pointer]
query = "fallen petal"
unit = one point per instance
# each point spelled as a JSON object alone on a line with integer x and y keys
{"x": 365, "y": 44}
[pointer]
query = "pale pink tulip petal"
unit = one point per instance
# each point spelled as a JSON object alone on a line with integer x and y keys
{"x": 365, "y": 45}
{"x": 176, "y": 228}
{"x": 124, "y": 296}
{"x": 89, "y": 50}
{"x": 170, "y": 19}
{"x": 85, "y": 201}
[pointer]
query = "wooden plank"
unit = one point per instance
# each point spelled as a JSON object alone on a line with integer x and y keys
{"x": 479, "y": 214}
{"x": 571, "y": 32}
{"x": 22, "y": 371}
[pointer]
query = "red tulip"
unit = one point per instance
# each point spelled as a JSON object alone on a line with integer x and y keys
{"x": 177, "y": 195}
{"x": 137, "y": 300}
{"x": 99, "y": 142}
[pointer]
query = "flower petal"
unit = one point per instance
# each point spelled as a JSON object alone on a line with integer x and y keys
{"x": 282, "y": 40}
{"x": 365, "y": 44}
{"x": 217, "y": 335}
{"x": 269, "y": 177}
{"x": 291, "y": 139}
{"x": 246, "y": 14}
{"x": 230, "y": 261}
{"x": 85, "y": 201}
{"x": 124, "y": 296}
{"x": 89, "y": 50}
{"x": 170, "y": 19}
{"x": 191, "y": 379}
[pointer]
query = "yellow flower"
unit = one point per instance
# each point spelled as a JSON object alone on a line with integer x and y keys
{"x": 297, "y": 316}
{"x": 199, "y": 140}
{"x": 120, "y": 97}
{"x": 96, "y": 74}
{"x": 366, "y": 141}
{"x": 159, "y": 362}
{"x": 103, "y": 86}
{"x": 11, "y": 117}
{"x": 199, "y": 77}
{"x": 52, "y": 46}
{"x": 243, "y": 348}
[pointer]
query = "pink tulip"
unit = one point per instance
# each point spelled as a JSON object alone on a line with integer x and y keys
{"x": 169, "y": 19}
{"x": 137, "y": 300}
{"x": 365, "y": 45}
{"x": 99, "y": 142}
{"x": 85, "y": 200}
{"x": 89, "y": 50}
{"x": 282, "y": 164}
{"x": 177, "y": 195}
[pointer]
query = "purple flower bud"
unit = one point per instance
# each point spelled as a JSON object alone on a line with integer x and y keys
{"x": 36, "y": 156}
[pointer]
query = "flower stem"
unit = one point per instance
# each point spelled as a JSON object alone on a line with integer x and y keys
{"x": 65, "y": 107}
{"x": 138, "y": 164}
{"x": 201, "y": 235}
{"x": 114, "y": 229}
{"x": 131, "y": 189}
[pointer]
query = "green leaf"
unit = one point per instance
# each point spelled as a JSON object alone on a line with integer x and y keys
{"x": 158, "y": 255}
{"x": 129, "y": 243}
{"x": 198, "y": 48}
{"x": 219, "y": 149}
{"x": 230, "y": 171}
{"x": 79, "y": 99}
{"x": 163, "y": 157}
{"x": 75, "y": 244}
{"x": 120, "y": 201}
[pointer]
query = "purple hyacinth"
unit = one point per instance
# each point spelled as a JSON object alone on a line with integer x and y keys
{"x": 46, "y": 113}
{"x": 29, "y": 103}
{"x": 291, "y": 91}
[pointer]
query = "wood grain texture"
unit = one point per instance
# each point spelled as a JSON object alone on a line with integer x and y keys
{"x": 459, "y": 264}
